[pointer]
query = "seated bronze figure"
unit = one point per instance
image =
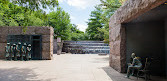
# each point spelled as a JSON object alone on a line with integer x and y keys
{"x": 136, "y": 64}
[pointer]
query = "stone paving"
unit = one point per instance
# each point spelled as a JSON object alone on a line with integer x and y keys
{"x": 62, "y": 68}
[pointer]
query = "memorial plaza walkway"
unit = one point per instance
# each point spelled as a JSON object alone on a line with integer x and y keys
{"x": 68, "y": 67}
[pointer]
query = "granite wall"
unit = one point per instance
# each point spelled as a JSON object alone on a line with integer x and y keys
{"x": 47, "y": 38}
{"x": 130, "y": 10}
{"x": 55, "y": 46}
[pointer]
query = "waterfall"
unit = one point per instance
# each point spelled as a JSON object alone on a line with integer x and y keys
{"x": 86, "y": 47}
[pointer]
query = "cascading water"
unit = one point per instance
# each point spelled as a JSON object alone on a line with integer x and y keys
{"x": 86, "y": 47}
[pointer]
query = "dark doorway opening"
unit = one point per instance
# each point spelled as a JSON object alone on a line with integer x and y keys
{"x": 37, "y": 47}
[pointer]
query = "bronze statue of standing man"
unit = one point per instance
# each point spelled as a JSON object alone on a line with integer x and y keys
{"x": 15, "y": 52}
{"x": 19, "y": 49}
{"x": 24, "y": 50}
{"x": 28, "y": 53}
{"x": 7, "y": 50}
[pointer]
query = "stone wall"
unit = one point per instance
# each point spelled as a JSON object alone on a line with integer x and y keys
{"x": 47, "y": 38}
{"x": 55, "y": 46}
{"x": 130, "y": 10}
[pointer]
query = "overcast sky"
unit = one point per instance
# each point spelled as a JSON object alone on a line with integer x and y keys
{"x": 79, "y": 10}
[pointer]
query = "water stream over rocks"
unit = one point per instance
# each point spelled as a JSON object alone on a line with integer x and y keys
{"x": 86, "y": 47}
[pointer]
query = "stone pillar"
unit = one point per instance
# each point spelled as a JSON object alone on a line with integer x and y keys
{"x": 58, "y": 46}
{"x": 117, "y": 48}
{"x": 55, "y": 46}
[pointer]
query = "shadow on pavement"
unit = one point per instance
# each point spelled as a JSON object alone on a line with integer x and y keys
{"x": 116, "y": 76}
{"x": 15, "y": 74}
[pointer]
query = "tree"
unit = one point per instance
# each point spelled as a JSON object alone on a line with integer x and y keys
{"x": 93, "y": 25}
{"x": 98, "y": 25}
{"x": 33, "y": 5}
{"x": 60, "y": 21}
{"x": 76, "y": 34}
{"x": 14, "y": 15}
{"x": 108, "y": 7}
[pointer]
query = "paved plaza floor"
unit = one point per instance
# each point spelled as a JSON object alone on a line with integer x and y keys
{"x": 68, "y": 67}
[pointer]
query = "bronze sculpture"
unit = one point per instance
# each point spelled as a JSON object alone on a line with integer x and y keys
{"x": 15, "y": 51}
{"x": 136, "y": 64}
{"x": 18, "y": 49}
{"x": 24, "y": 51}
{"x": 7, "y": 50}
{"x": 11, "y": 52}
{"x": 28, "y": 53}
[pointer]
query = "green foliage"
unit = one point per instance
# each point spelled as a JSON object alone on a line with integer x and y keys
{"x": 29, "y": 15}
{"x": 13, "y": 15}
{"x": 108, "y": 7}
{"x": 13, "y": 23}
{"x": 93, "y": 25}
{"x": 1, "y": 23}
{"x": 98, "y": 25}
{"x": 76, "y": 34}
{"x": 36, "y": 4}
{"x": 60, "y": 21}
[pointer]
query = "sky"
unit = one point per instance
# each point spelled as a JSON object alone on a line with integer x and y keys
{"x": 79, "y": 11}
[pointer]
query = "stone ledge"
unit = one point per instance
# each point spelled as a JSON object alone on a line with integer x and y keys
{"x": 15, "y": 30}
{"x": 30, "y": 30}
{"x": 43, "y": 31}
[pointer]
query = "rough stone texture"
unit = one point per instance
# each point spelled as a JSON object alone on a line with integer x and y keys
{"x": 55, "y": 46}
{"x": 47, "y": 38}
{"x": 30, "y": 30}
{"x": 127, "y": 12}
{"x": 46, "y": 55}
{"x": 15, "y": 30}
{"x": 2, "y": 50}
{"x": 45, "y": 47}
{"x": 4, "y": 30}
{"x": 43, "y": 31}
{"x": 3, "y": 38}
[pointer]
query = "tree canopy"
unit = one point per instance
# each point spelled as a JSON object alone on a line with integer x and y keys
{"x": 30, "y": 13}
{"x": 33, "y": 15}
{"x": 98, "y": 24}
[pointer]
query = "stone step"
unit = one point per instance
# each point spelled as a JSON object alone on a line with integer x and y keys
{"x": 89, "y": 47}
{"x": 90, "y": 51}
{"x": 86, "y": 47}
{"x": 86, "y": 44}
{"x": 83, "y": 41}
